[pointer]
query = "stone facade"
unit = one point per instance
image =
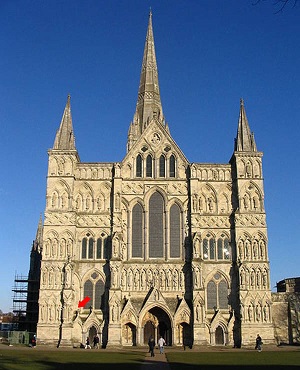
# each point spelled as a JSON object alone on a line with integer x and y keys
{"x": 160, "y": 246}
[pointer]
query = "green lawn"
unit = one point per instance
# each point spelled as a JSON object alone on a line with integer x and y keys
{"x": 61, "y": 359}
{"x": 35, "y": 359}
{"x": 235, "y": 360}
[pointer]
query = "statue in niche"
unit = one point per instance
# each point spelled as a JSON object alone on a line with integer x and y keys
{"x": 88, "y": 202}
{"x": 62, "y": 247}
{"x": 200, "y": 203}
{"x": 198, "y": 313}
{"x": 246, "y": 202}
{"x": 248, "y": 169}
{"x": 143, "y": 279}
{"x": 54, "y": 200}
{"x": 195, "y": 202}
{"x": 266, "y": 313}
{"x": 264, "y": 279}
{"x": 114, "y": 280}
{"x": 242, "y": 277}
{"x": 255, "y": 202}
{"x": 255, "y": 249}
{"x": 210, "y": 204}
{"x": 123, "y": 278}
{"x": 99, "y": 203}
{"x": 252, "y": 278}
{"x": 60, "y": 166}
{"x": 136, "y": 279}
{"x": 162, "y": 279}
{"x": 196, "y": 246}
{"x": 181, "y": 279}
{"x": 250, "y": 313}
{"x": 257, "y": 313}
{"x": 175, "y": 279}
{"x": 43, "y": 311}
{"x": 44, "y": 277}
{"x": 168, "y": 278}
{"x": 240, "y": 248}
{"x": 129, "y": 279}
{"x": 69, "y": 248}
{"x": 123, "y": 251}
{"x": 262, "y": 248}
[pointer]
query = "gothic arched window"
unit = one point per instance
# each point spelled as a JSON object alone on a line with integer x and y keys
{"x": 137, "y": 231}
{"x": 149, "y": 166}
{"x": 91, "y": 248}
{"x": 211, "y": 295}
{"x": 139, "y": 166}
{"x": 94, "y": 289}
{"x": 88, "y": 291}
{"x": 208, "y": 247}
{"x": 223, "y": 251}
{"x": 156, "y": 226}
{"x": 83, "y": 248}
{"x": 162, "y": 166}
{"x": 217, "y": 293}
{"x": 99, "y": 249}
{"x": 172, "y": 164}
{"x": 175, "y": 231}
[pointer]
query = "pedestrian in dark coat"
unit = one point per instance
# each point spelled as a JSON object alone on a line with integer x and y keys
{"x": 151, "y": 344}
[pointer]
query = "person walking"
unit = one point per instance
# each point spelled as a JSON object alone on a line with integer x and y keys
{"x": 87, "y": 343}
{"x": 151, "y": 344}
{"x": 258, "y": 343}
{"x": 161, "y": 344}
{"x": 96, "y": 342}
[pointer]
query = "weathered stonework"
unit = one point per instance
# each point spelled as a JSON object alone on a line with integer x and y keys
{"x": 160, "y": 246}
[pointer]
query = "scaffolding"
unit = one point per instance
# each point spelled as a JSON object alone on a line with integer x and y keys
{"x": 25, "y": 302}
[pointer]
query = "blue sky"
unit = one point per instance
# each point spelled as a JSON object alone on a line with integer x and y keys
{"x": 210, "y": 53}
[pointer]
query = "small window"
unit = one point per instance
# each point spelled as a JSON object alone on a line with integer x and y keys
{"x": 84, "y": 248}
{"x": 91, "y": 248}
{"x": 172, "y": 166}
{"x": 149, "y": 166}
{"x": 139, "y": 166}
{"x": 162, "y": 166}
{"x": 99, "y": 249}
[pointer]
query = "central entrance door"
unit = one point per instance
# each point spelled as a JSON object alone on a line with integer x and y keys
{"x": 158, "y": 324}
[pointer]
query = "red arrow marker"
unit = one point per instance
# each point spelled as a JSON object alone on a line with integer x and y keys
{"x": 83, "y": 302}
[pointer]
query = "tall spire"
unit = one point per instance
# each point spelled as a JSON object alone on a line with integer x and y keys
{"x": 37, "y": 243}
{"x": 148, "y": 104}
{"x": 244, "y": 141}
{"x": 64, "y": 139}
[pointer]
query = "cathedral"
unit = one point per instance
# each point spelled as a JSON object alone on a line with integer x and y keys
{"x": 153, "y": 244}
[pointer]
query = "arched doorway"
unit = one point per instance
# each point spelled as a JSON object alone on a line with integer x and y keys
{"x": 219, "y": 336}
{"x": 129, "y": 334}
{"x": 157, "y": 323}
{"x": 149, "y": 329}
{"x": 92, "y": 333}
{"x": 186, "y": 335}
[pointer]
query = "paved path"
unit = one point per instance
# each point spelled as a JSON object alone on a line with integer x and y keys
{"x": 158, "y": 362}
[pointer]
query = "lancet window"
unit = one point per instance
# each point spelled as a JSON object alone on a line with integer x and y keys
{"x": 164, "y": 230}
{"x": 94, "y": 249}
{"x": 217, "y": 293}
{"x": 213, "y": 250}
{"x": 94, "y": 289}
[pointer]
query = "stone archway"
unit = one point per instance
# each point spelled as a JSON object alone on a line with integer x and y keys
{"x": 129, "y": 334}
{"x": 156, "y": 322}
{"x": 219, "y": 336}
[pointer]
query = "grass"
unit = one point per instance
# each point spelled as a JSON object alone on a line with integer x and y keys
{"x": 61, "y": 359}
{"x": 35, "y": 359}
{"x": 234, "y": 360}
